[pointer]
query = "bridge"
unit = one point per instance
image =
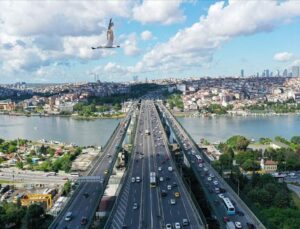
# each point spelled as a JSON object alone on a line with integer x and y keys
{"x": 152, "y": 193}
{"x": 87, "y": 196}
{"x": 142, "y": 205}
{"x": 190, "y": 150}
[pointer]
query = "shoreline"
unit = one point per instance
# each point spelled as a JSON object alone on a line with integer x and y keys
{"x": 212, "y": 115}
{"x": 77, "y": 117}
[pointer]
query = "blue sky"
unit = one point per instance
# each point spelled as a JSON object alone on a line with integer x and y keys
{"x": 50, "y": 41}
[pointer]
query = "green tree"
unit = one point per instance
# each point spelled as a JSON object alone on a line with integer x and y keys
{"x": 19, "y": 164}
{"x": 238, "y": 142}
{"x": 296, "y": 140}
{"x": 35, "y": 217}
{"x": 67, "y": 188}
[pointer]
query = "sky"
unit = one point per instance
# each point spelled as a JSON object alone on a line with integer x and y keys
{"x": 50, "y": 41}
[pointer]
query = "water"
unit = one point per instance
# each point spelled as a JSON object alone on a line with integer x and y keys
{"x": 97, "y": 132}
{"x": 63, "y": 129}
{"x": 221, "y": 128}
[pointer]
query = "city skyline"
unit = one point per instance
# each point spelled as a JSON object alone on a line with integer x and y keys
{"x": 181, "y": 39}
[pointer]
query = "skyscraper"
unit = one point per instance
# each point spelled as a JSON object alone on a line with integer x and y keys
{"x": 242, "y": 73}
{"x": 295, "y": 71}
{"x": 285, "y": 73}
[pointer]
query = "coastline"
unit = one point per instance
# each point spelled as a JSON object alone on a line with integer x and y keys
{"x": 77, "y": 117}
{"x": 187, "y": 114}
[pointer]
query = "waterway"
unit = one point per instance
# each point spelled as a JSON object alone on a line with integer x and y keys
{"x": 97, "y": 132}
{"x": 63, "y": 129}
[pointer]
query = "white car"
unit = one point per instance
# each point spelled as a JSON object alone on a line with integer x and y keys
{"x": 209, "y": 178}
{"x": 159, "y": 168}
{"x": 216, "y": 182}
{"x": 132, "y": 179}
{"x": 221, "y": 195}
{"x": 205, "y": 169}
{"x": 177, "y": 225}
{"x": 169, "y": 187}
{"x": 161, "y": 179}
{"x": 172, "y": 201}
{"x": 138, "y": 179}
{"x": 238, "y": 224}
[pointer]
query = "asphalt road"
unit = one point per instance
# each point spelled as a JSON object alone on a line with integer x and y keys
{"x": 203, "y": 173}
{"x": 88, "y": 197}
{"x": 153, "y": 210}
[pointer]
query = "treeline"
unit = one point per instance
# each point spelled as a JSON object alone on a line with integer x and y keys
{"x": 16, "y": 216}
{"x": 278, "y": 107}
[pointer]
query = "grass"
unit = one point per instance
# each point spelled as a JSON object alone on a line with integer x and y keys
{"x": 6, "y": 182}
{"x": 296, "y": 200}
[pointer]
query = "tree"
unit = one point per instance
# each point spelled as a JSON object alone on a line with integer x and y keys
{"x": 238, "y": 142}
{"x": 35, "y": 217}
{"x": 20, "y": 164}
{"x": 66, "y": 188}
{"x": 296, "y": 140}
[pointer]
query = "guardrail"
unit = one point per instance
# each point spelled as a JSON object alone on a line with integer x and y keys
{"x": 241, "y": 202}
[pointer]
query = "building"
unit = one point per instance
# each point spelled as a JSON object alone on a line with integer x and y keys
{"x": 242, "y": 73}
{"x": 268, "y": 166}
{"x": 7, "y": 105}
{"x": 295, "y": 71}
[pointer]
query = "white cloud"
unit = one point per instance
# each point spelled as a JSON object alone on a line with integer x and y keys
{"x": 160, "y": 11}
{"x": 195, "y": 45}
{"x": 296, "y": 62}
{"x": 130, "y": 45}
{"x": 146, "y": 35}
{"x": 283, "y": 56}
{"x": 37, "y": 34}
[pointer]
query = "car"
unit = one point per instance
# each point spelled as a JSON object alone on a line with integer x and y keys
{"x": 240, "y": 213}
{"x": 86, "y": 195}
{"x": 172, "y": 201}
{"x": 221, "y": 195}
{"x": 163, "y": 193}
{"x": 177, "y": 194}
{"x": 135, "y": 206}
{"x": 185, "y": 222}
{"x": 169, "y": 187}
{"x": 68, "y": 216}
{"x": 209, "y": 178}
{"x": 83, "y": 220}
{"x": 225, "y": 219}
{"x": 205, "y": 169}
{"x": 105, "y": 171}
{"x": 250, "y": 226}
{"x": 132, "y": 179}
{"x": 110, "y": 161}
{"x": 217, "y": 190}
{"x": 177, "y": 225}
{"x": 168, "y": 226}
{"x": 212, "y": 175}
{"x": 174, "y": 184}
{"x": 161, "y": 179}
{"x": 238, "y": 224}
{"x": 159, "y": 168}
{"x": 108, "y": 155}
{"x": 216, "y": 182}
{"x": 170, "y": 169}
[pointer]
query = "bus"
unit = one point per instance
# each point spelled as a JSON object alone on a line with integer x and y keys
{"x": 229, "y": 206}
{"x": 74, "y": 174}
{"x": 152, "y": 179}
{"x": 198, "y": 158}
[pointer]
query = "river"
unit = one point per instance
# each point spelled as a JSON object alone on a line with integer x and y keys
{"x": 97, "y": 132}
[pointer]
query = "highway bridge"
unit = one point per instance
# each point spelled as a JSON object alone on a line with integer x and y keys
{"x": 87, "y": 196}
{"x": 143, "y": 203}
{"x": 209, "y": 179}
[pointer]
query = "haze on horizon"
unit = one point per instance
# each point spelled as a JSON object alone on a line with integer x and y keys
{"x": 50, "y": 41}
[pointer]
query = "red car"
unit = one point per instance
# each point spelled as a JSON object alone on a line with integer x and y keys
{"x": 83, "y": 220}
{"x": 225, "y": 219}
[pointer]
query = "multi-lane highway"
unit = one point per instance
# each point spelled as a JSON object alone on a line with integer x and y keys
{"x": 211, "y": 182}
{"x": 160, "y": 202}
{"x": 86, "y": 198}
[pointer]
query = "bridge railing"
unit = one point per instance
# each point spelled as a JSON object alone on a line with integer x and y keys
{"x": 240, "y": 201}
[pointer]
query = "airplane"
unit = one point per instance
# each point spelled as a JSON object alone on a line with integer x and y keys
{"x": 110, "y": 38}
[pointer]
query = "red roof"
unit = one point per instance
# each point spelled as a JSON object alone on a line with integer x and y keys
{"x": 270, "y": 162}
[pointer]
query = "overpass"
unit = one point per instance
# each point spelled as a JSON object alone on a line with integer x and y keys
{"x": 140, "y": 205}
{"x": 190, "y": 150}
{"x": 87, "y": 196}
